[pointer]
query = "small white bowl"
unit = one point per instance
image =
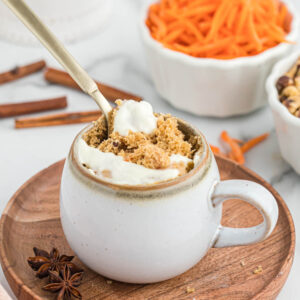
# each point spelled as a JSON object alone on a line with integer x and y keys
{"x": 71, "y": 20}
{"x": 287, "y": 125}
{"x": 213, "y": 87}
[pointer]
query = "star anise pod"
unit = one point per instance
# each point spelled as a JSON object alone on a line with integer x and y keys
{"x": 43, "y": 262}
{"x": 64, "y": 283}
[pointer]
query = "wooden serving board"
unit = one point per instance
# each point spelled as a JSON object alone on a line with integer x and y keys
{"x": 31, "y": 218}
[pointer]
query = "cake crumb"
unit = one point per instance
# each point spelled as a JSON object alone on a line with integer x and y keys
{"x": 149, "y": 150}
{"x": 190, "y": 290}
{"x": 119, "y": 102}
{"x": 151, "y": 156}
{"x": 97, "y": 133}
{"x": 106, "y": 173}
{"x": 258, "y": 270}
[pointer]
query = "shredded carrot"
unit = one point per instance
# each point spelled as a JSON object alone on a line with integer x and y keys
{"x": 237, "y": 147}
{"x": 231, "y": 17}
{"x": 230, "y": 156}
{"x": 219, "y": 29}
{"x": 214, "y": 149}
{"x": 238, "y": 141}
{"x": 253, "y": 142}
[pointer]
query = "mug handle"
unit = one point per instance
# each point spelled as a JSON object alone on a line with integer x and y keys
{"x": 256, "y": 195}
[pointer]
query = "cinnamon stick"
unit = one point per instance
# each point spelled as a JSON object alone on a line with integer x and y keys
{"x": 17, "y": 109}
{"x": 58, "y": 119}
{"x": 111, "y": 93}
{"x": 19, "y": 72}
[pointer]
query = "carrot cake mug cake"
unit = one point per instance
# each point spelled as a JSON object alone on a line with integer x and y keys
{"x": 143, "y": 196}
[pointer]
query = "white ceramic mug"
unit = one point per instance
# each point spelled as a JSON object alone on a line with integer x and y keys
{"x": 143, "y": 234}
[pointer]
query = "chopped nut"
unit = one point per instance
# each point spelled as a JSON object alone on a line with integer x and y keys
{"x": 292, "y": 104}
{"x": 291, "y": 73}
{"x": 282, "y": 98}
{"x": 297, "y": 82}
{"x": 258, "y": 270}
{"x": 296, "y": 71}
{"x": 290, "y": 91}
{"x": 283, "y": 82}
{"x": 296, "y": 99}
{"x": 190, "y": 290}
{"x": 288, "y": 87}
{"x": 242, "y": 263}
{"x": 108, "y": 281}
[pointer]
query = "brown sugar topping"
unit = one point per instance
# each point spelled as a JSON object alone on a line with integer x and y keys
{"x": 149, "y": 150}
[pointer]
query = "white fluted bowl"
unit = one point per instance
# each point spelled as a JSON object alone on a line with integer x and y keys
{"x": 213, "y": 87}
{"x": 287, "y": 125}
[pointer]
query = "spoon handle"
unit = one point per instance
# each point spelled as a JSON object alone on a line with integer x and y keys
{"x": 60, "y": 53}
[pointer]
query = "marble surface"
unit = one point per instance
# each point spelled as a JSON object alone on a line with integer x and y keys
{"x": 115, "y": 56}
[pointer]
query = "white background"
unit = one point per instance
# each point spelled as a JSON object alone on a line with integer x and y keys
{"x": 115, "y": 55}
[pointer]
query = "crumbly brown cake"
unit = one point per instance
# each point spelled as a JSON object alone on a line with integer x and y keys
{"x": 149, "y": 150}
{"x": 97, "y": 133}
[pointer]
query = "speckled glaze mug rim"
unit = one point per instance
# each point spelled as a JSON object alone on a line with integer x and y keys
{"x": 204, "y": 155}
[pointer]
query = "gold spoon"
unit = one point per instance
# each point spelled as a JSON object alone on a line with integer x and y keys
{"x": 60, "y": 53}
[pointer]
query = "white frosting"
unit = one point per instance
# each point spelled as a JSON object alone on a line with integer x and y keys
{"x": 122, "y": 172}
{"x": 176, "y": 158}
{"x": 136, "y": 117}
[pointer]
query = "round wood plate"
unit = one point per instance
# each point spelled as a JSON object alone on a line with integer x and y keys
{"x": 31, "y": 218}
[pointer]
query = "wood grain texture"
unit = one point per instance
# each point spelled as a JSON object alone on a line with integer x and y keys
{"x": 31, "y": 218}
